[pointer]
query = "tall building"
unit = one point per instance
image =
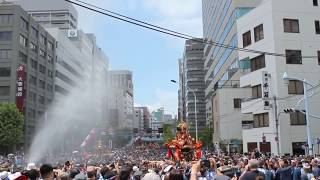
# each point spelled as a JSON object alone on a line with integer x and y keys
{"x": 49, "y": 14}
{"x": 138, "y": 119}
{"x": 27, "y": 66}
{"x": 194, "y": 84}
{"x": 120, "y": 100}
{"x": 294, "y": 31}
{"x": 181, "y": 92}
{"x": 223, "y": 69}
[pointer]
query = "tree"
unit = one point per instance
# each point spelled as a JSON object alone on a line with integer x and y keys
{"x": 11, "y": 126}
{"x": 168, "y": 132}
{"x": 206, "y": 136}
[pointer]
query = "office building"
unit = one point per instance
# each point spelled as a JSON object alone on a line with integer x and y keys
{"x": 292, "y": 30}
{"x": 193, "y": 72}
{"x": 27, "y": 66}
{"x": 58, "y": 13}
{"x": 120, "y": 99}
{"x": 223, "y": 70}
{"x": 181, "y": 91}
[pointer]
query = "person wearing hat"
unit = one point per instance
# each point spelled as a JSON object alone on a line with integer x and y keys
{"x": 252, "y": 172}
{"x": 221, "y": 173}
{"x": 308, "y": 172}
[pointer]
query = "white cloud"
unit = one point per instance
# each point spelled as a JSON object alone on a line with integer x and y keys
{"x": 89, "y": 20}
{"x": 163, "y": 98}
{"x": 184, "y": 17}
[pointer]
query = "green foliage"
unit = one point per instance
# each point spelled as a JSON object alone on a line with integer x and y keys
{"x": 11, "y": 125}
{"x": 206, "y": 136}
{"x": 168, "y": 132}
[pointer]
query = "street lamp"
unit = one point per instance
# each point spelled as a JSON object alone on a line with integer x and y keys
{"x": 305, "y": 97}
{"x": 195, "y": 108}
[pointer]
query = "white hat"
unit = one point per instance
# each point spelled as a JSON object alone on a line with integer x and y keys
{"x": 4, "y": 175}
{"x": 31, "y": 166}
{"x": 306, "y": 166}
{"x": 135, "y": 168}
{"x": 168, "y": 168}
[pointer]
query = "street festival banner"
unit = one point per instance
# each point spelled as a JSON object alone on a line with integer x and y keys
{"x": 20, "y": 93}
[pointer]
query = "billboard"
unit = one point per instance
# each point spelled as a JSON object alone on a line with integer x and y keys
{"x": 20, "y": 92}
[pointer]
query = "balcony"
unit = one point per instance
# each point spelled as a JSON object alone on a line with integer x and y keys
{"x": 227, "y": 84}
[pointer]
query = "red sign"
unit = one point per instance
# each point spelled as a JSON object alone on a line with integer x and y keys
{"x": 20, "y": 88}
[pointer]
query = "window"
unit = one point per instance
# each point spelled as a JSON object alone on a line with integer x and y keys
{"x": 33, "y": 47}
{"x": 246, "y": 37}
{"x": 5, "y": 72}
{"x": 42, "y": 53}
{"x": 293, "y": 57}
{"x": 33, "y": 80}
{"x": 24, "y": 24}
{"x": 4, "y": 90}
{"x": 291, "y": 25}
{"x": 49, "y": 87}
{"x": 5, "y": 18}
{"x": 258, "y": 63}
{"x": 319, "y": 57}
{"x": 42, "y": 69}
{"x": 261, "y": 120}
{"x": 34, "y": 64}
{"x": 258, "y": 33}
{"x": 295, "y": 87}
{"x": 23, "y": 57}
{"x": 32, "y": 113}
{"x": 237, "y": 103}
{"x": 298, "y": 118}
{"x": 32, "y": 96}
{"x": 6, "y": 36}
{"x": 41, "y": 99}
{"x": 42, "y": 84}
{"x": 50, "y": 46}
{"x": 315, "y": 2}
{"x": 34, "y": 32}
{"x": 317, "y": 26}
{"x": 50, "y": 74}
{"x": 43, "y": 39}
{"x": 256, "y": 91}
{"x": 5, "y": 53}
{"x": 50, "y": 59}
{"x": 23, "y": 41}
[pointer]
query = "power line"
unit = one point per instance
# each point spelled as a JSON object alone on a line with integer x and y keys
{"x": 171, "y": 32}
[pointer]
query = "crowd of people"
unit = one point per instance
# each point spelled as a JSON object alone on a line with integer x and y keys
{"x": 135, "y": 163}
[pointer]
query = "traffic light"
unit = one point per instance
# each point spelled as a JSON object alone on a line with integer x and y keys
{"x": 264, "y": 139}
{"x": 160, "y": 130}
{"x": 289, "y": 110}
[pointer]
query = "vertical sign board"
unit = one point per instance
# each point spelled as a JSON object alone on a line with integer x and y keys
{"x": 20, "y": 88}
{"x": 266, "y": 90}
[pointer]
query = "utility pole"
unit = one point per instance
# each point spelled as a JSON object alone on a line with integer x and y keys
{"x": 277, "y": 123}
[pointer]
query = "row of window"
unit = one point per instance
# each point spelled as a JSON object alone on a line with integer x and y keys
{"x": 5, "y": 54}
{"x": 294, "y": 87}
{"x": 292, "y": 57}
{"x": 6, "y": 18}
{"x": 289, "y": 25}
{"x": 34, "y": 64}
{"x": 42, "y": 83}
{"x": 33, "y": 97}
{"x": 262, "y": 120}
{"x": 24, "y": 42}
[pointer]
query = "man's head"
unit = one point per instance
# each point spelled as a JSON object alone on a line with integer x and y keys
{"x": 253, "y": 164}
{"x": 46, "y": 171}
{"x": 91, "y": 172}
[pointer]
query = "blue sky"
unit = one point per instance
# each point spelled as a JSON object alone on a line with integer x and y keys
{"x": 152, "y": 57}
